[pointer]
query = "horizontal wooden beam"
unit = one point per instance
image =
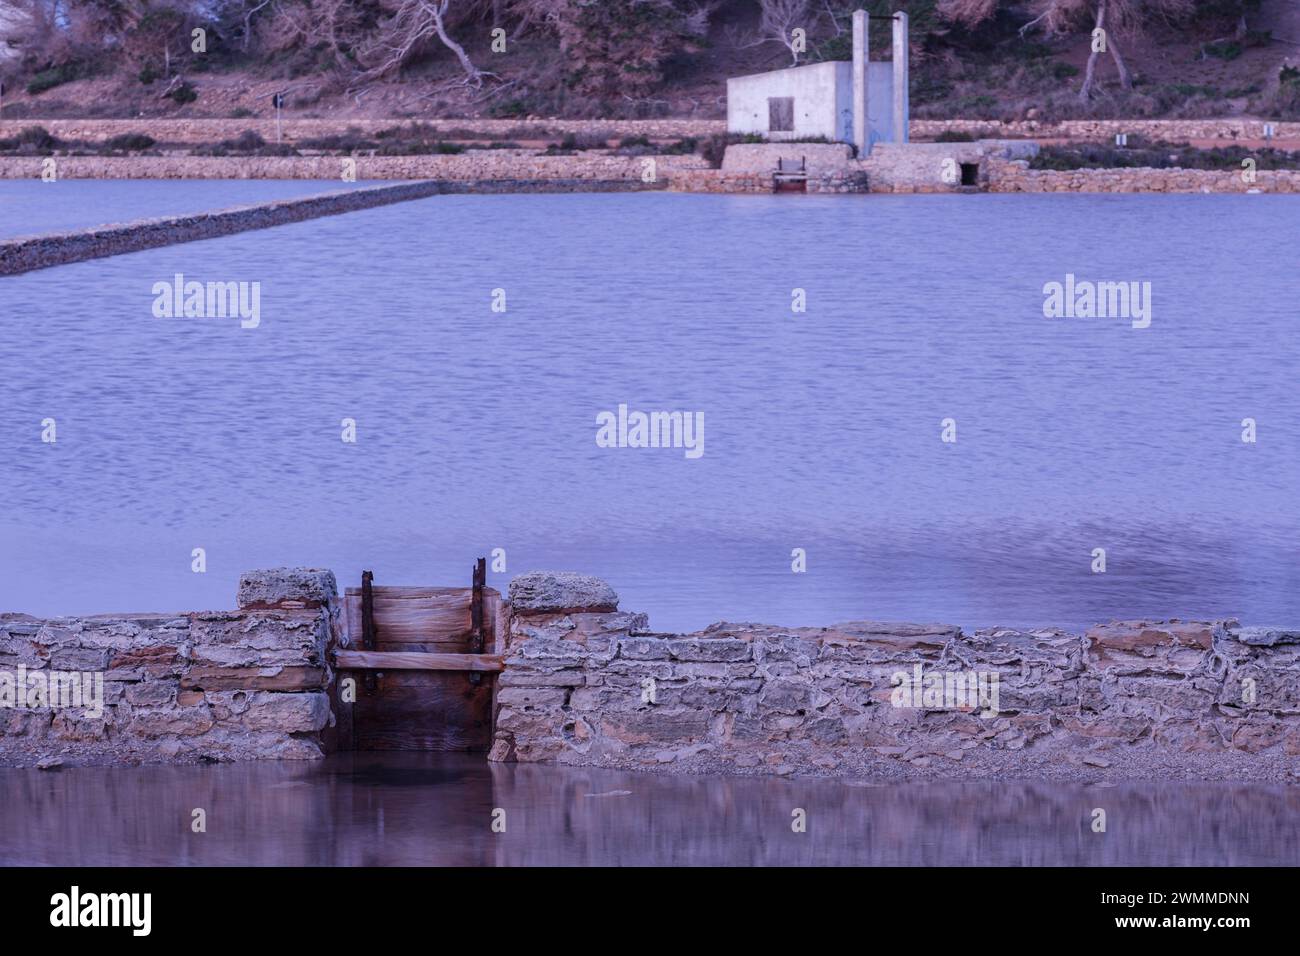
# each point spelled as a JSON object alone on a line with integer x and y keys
{"x": 416, "y": 661}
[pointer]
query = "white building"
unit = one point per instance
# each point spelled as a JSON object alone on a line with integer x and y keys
{"x": 835, "y": 99}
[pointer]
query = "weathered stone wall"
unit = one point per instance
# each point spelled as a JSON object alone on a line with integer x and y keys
{"x": 1017, "y": 177}
{"x": 764, "y": 157}
{"x": 211, "y": 685}
{"x": 1171, "y": 131}
{"x": 593, "y": 686}
{"x": 26, "y": 253}
{"x": 478, "y": 165}
{"x": 195, "y": 130}
{"x": 891, "y": 168}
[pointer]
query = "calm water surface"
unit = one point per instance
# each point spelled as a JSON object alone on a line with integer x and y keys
{"x": 426, "y": 809}
{"x": 32, "y": 206}
{"x": 476, "y": 429}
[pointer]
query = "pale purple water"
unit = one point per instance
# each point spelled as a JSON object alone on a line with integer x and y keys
{"x": 437, "y": 809}
{"x": 477, "y": 429}
{"x": 30, "y": 206}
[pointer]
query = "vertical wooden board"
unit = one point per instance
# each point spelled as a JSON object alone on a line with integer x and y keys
{"x": 425, "y": 710}
{"x": 340, "y": 737}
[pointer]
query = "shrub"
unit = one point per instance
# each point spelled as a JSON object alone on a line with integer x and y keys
{"x": 55, "y": 76}
{"x": 33, "y": 139}
{"x": 580, "y": 141}
{"x": 130, "y": 141}
{"x": 714, "y": 148}
{"x": 184, "y": 93}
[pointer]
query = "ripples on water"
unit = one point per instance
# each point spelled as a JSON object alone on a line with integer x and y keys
{"x": 424, "y": 809}
{"x": 476, "y": 429}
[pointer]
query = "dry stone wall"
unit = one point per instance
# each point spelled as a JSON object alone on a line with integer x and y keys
{"x": 519, "y": 166}
{"x": 210, "y": 685}
{"x": 1170, "y": 131}
{"x": 1138, "y": 699}
{"x": 197, "y": 130}
{"x": 1017, "y": 177}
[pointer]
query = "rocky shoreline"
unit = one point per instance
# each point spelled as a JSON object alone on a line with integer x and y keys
{"x": 534, "y": 171}
{"x": 665, "y": 156}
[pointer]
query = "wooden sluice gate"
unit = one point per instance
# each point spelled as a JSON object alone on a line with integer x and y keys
{"x": 423, "y": 662}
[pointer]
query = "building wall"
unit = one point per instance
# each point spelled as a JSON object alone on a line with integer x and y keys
{"x": 1137, "y": 699}
{"x": 880, "y": 101}
{"x": 823, "y": 98}
{"x": 818, "y": 96}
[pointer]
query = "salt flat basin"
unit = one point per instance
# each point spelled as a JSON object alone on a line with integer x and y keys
{"x": 476, "y": 429}
{"x": 30, "y": 206}
{"x": 437, "y": 809}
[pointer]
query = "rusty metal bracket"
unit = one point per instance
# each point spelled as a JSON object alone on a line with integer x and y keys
{"x": 476, "y": 615}
{"x": 368, "y": 638}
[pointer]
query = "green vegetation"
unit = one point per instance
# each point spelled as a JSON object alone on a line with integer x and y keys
{"x": 130, "y": 142}
{"x": 54, "y": 76}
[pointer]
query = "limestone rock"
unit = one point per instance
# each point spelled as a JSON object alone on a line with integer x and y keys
{"x": 286, "y": 588}
{"x": 555, "y": 591}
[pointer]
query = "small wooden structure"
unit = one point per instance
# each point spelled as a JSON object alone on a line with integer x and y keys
{"x": 427, "y": 659}
{"x": 791, "y": 177}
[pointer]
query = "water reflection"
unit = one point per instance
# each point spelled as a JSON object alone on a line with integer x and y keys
{"x": 434, "y": 809}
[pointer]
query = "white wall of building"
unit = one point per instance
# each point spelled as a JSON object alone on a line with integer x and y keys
{"x": 823, "y": 101}
{"x": 817, "y": 92}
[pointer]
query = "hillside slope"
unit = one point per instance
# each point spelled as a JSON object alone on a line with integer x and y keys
{"x": 1227, "y": 58}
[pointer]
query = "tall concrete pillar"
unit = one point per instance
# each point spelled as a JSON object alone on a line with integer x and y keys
{"x": 861, "y": 132}
{"x": 900, "y": 51}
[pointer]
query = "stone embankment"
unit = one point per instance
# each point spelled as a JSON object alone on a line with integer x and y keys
{"x": 1017, "y": 177}
{"x": 584, "y": 683}
{"x": 1166, "y": 131}
{"x": 211, "y": 685}
{"x": 197, "y": 131}
{"x": 520, "y": 166}
{"x": 591, "y": 685}
{"x": 995, "y": 166}
{"x": 27, "y": 253}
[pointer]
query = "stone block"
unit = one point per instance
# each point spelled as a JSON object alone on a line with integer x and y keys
{"x": 286, "y": 588}
{"x": 552, "y": 591}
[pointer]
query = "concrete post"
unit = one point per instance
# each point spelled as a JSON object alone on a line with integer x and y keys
{"x": 861, "y": 132}
{"x": 900, "y": 51}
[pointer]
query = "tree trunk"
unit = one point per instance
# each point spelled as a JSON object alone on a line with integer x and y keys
{"x": 1125, "y": 78}
{"x": 436, "y": 11}
{"x": 1086, "y": 92}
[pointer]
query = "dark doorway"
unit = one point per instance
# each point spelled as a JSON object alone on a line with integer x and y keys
{"x": 970, "y": 174}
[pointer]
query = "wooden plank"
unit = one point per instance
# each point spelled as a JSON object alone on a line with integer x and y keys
{"x": 408, "y": 616}
{"x": 413, "y": 710}
{"x": 402, "y": 621}
{"x": 411, "y": 661}
{"x": 494, "y": 622}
